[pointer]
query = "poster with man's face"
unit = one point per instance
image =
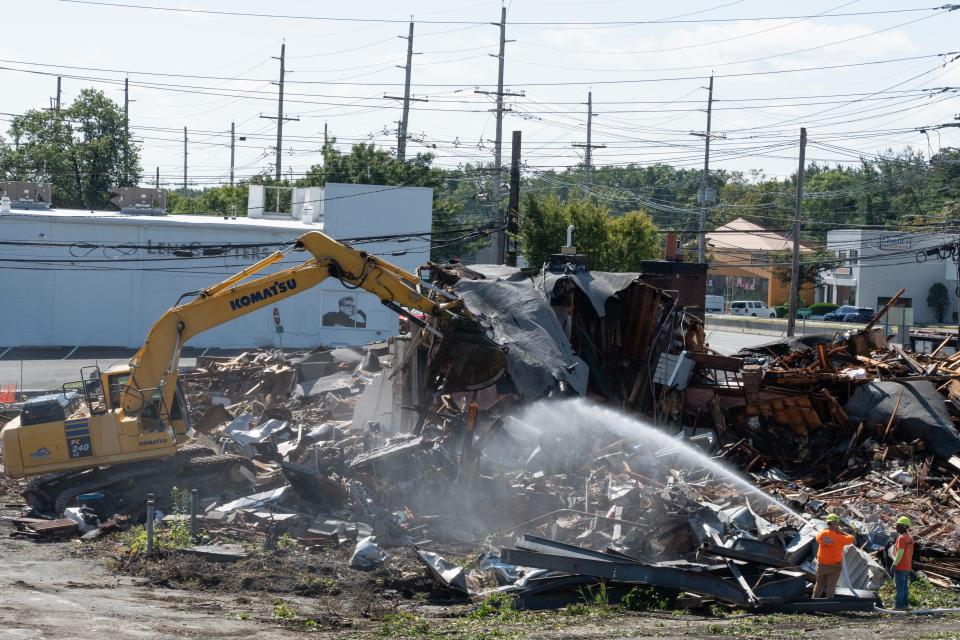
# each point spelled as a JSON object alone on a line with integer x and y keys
{"x": 347, "y": 313}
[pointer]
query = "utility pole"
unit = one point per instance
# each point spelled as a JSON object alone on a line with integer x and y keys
{"x": 589, "y": 147}
{"x": 158, "y": 178}
{"x": 184, "y": 161}
{"x": 233, "y": 148}
{"x": 702, "y": 238}
{"x": 57, "y": 103}
{"x": 513, "y": 208}
{"x": 126, "y": 128}
{"x": 795, "y": 268}
{"x": 324, "y": 135}
{"x": 402, "y": 133}
{"x": 502, "y": 236}
{"x": 404, "y": 123}
{"x": 279, "y": 117}
{"x": 498, "y": 142}
{"x": 586, "y": 164}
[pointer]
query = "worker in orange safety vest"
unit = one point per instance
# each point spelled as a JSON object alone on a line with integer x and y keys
{"x": 902, "y": 552}
{"x": 831, "y": 542}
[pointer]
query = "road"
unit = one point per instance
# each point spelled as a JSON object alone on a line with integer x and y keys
{"x": 42, "y": 375}
{"x": 729, "y": 342}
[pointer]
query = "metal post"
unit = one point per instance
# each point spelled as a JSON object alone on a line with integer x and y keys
{"x": 283, "y": 56}
{"x": 702, "y": 240}
{"x": 589, "y": 146}
{"x": 194, "y": 500}
{"x": 149, "y": 524}
{"x": 280, "y": 117}
{"x": 184, "y": 161}
{"x": 501, "y": 234}
{"x": 404, "y": 121}
{"x": 126, "y": 130}
{"x": 513, "y": 208}
{"x": 586, "y": 159}
{"x": 233, "y": 148}
{"x": 795, "y": 267}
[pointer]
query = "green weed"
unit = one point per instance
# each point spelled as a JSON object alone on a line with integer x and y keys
{"x": 286, "y": 543}
{"x": 577, "y": 609}
{"x": 923, "y": 595}
{"x": 644, "y": 599}
{"x": 496, "y": 605}
{"x": 283, "y": 611}
{"x": 172, "y": 535}
{"x": 405, "y": 625}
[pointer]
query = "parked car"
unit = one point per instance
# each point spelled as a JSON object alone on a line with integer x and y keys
{"x": 837, "y": 314}
{"x": 840, "y": 314}
{"x": 715, "y": 304}
{"x": 863, "y": 315}
{"x": 752, "y": 308}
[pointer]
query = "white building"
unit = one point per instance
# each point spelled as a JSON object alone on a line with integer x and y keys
{"x": 97, "y": 278}
{"x": 878, "y": 263}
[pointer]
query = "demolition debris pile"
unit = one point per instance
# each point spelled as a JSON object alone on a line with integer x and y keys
{"x": 616, "y": 447}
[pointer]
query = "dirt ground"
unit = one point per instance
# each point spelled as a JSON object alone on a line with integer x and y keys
{"x": 95, "y": 590}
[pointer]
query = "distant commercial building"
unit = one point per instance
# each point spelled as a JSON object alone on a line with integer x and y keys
{"x": 878, "y": 263}
{"x": 99, "y": 278}
{"x": 742, "y": 257}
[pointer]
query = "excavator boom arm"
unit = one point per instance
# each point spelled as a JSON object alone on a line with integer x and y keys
{"x": 155, "y": 365}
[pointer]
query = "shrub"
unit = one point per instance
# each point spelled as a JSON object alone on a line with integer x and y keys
{"x": 782, "y": 310}
{"x": 174, "y": 535}
{"x": 822, "y": 308}
{"x": 939, "y": 300}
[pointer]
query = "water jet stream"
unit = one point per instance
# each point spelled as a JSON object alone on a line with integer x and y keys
{"x": 585, "y": 415}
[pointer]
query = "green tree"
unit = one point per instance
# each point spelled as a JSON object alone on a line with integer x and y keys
{"x": 612, "y": 243}
{"x": 633, "y": 239}
{"x": 220, "y": 200}
{"x": 938, "y": 299}
{"x": 542, "y": 228}
{"x": 82, "y": 149}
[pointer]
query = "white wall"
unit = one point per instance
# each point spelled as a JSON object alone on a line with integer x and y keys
{"x": 114, "y": 302}
{"x": 884, "y": 267}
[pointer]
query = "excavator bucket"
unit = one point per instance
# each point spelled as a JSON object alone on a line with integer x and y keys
{"x": 468, "y": 358}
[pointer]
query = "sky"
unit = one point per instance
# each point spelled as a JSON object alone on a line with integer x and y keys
{"x": 859, "y": 83}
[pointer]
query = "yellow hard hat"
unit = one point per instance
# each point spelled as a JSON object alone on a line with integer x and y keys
{"x": 833, "y": 518}
{"x": 905, "y": 521}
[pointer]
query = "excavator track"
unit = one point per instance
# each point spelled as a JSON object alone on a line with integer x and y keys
{"x": 127, "y": 485}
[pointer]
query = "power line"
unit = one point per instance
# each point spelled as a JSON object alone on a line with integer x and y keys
{"x": 191, "y": 88}
{"x": 606, "y": 23}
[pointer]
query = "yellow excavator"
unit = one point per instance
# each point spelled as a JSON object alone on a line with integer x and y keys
{"x": 131, "y": 428}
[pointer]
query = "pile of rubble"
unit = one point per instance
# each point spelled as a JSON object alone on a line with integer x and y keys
{"x": 603, "y": 453}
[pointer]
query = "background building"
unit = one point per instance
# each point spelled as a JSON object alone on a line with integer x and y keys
{"x": 742, "y": 257}
{"x": 97, "y": 278}
{"x": 879, "y": 263}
